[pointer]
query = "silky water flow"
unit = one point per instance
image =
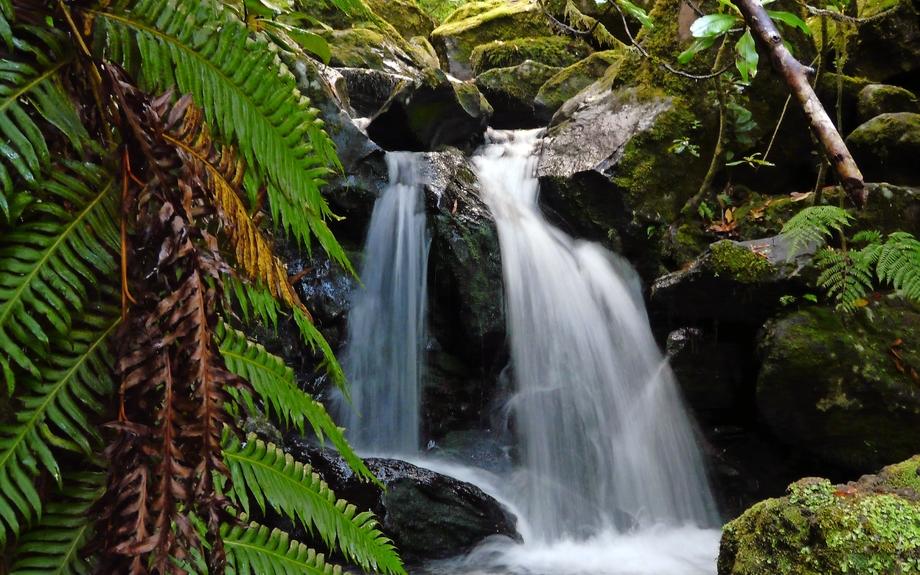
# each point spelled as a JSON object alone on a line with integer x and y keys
{"x": 612, "y": 481}
{"x": 387, "y": 319}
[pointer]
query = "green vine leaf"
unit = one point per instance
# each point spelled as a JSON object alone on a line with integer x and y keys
{"x": 747, "y": 57}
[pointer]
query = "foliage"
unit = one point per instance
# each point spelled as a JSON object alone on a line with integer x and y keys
{"x": 123, "y": 217}
{"x": 849, "y": 274}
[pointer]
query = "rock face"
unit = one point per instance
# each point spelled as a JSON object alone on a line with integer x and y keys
{"x": 511, "y": 91}
{"x": 426, "y": 514}
{"x": 868, "y": 526}
{"x": 886, "y": 147}
{"x": 845, "y": 389}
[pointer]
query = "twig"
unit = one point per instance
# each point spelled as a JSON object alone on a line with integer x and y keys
{"x": 849, "y": 19}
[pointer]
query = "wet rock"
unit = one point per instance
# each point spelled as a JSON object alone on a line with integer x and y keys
{"x": 426, "y": 514}
{"x": 511, "y": 92}
{"x": 467, "y": 294}
{"x": 373, "y": 49}
{"x": 878, "y": 99}
{"x": 554, "y": 51}
{"x": 709, "y": 370}
{"x": 739, "y": 282}
{"x": 482, "y": 22}
{"x": 571, "y": 80}
{"x": 871, "y": 525}
{"x": 887, "y": 48}
{"x": 886, "y": 148}
{"x": 475, "y": 447}
{"x": 845, "y": 389}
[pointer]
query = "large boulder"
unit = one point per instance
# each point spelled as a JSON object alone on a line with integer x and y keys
{"x": 887, "y": 147}
{"x": 818, "y": 528}
{"x": 844, "y": 388}
{"x": 511, "y": 92}
{"x": 406, "y": 16}
{"x": 555, "y": 51}
{"x": 878, "y": 99}
{"x": 740, "y": 282}
{"x": 426, "y": 514}
{"x": 481, "y": 22}
{"x": 571, "y": 80}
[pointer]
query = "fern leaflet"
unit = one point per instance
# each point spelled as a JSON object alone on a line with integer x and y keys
{"x": 271, "y": 475}
{"x": 256, "y": 550}
{"x": 813, "y": 224}
{"x": 274, "y": 382}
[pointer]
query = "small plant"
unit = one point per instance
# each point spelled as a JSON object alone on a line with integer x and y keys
{"x": 681, "y": 145}
{"x": 849, "y": 274}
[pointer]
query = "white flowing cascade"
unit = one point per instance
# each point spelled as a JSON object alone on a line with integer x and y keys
{"x": 386, "y": 323}
{"x": 602, "y": 428}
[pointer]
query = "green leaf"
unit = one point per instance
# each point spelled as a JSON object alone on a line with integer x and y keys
{"x": 698, "y": 45}
{"x": 292, "y": 488}
{"x": 714, "y": 25}
{"x": 747, "y": 58}
{"x": 256, "y": 550}
{"x": 790, "y": 19}
{"x": 637, "y": 13}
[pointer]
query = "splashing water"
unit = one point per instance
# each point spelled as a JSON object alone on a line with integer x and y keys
{"x": 606, "y": 442}
{"x": 386, "y": 322}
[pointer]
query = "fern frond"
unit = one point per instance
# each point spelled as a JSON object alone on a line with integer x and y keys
{"x": 75, "y": 374}
{"x": 27, "y": 85}
{"x": 813, "y": 224}
{"x": 291, "y": 487}
{"x": 256, "y": 301}
{"x": 221, "y": 174}
{"x": 846, "y": 276}
{"x": 256, "y": 550}
{"x": 245, "y": 91}
{"x": 274, "y": 382}
{"x": 48, "y": 264}
{"x": 7, "y": 17}
{"x": 53, "y": 545}
{"x": 899, "y": 264}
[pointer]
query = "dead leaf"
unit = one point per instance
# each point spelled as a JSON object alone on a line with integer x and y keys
{"x": 915, "y": 375}
{"x": 454, "y": 209}
{"x": 896, "y": 342}
{"x": 845, "y": 491}
{"x": 898, "y": 366}
{"x": 798, "y": 197}
{"x": 860, "y": 303}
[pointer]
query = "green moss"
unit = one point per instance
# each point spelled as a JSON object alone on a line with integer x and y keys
{"x": 518, "y": 84}
{"x": 573, "y": 79}
{"x": 555, "y": 51}
{"x": 472, "y": 9}
{"x": 817, "y": 530}
{"x": 406, "y": 16}
{"x": 739, "y": 263}
{"x": 904, "y": 475}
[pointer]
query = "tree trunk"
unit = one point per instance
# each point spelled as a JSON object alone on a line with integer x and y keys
{"x": 793, "y": 73}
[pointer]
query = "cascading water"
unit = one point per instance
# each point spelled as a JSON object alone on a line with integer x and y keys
{"x": 386, "y": 323}
{"x": 601, "y": 424}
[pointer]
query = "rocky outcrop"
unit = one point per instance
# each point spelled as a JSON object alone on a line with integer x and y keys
{"x": 482, "y": 22}
{"x": 571, "y": 80}
{"x": 846, "y": 389}
{"x": 887, "y": 147}
{"x": 818, "y": 528}
{"x": 426, "y": 514}
{"x": 511, "y": 91}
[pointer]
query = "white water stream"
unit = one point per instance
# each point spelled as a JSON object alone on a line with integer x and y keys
{"x": 612, "y": 481}
{"x": 383, "y": 358}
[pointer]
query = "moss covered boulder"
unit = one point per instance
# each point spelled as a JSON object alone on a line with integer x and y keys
{"x": 556, "y": 51}
{"x": 871, "y": 526}
{"x": 878, "y": 99}
{"x": 886, "y": 148}
{"x": 569, "y": 81}
{"x": 483, "y": 22}
{"x": 511, "y": 92}
{"x": 406, "y": 16}
{"x": 844, "y": 388}
{"x": 372, "y": 48}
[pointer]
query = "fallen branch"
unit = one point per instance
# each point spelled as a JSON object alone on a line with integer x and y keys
{"x": 793, "y": 73}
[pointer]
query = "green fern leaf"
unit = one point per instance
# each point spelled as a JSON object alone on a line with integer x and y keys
{"x": 813, "y": 224}
{"x": 274, "y": 382}
{"x": 48, "y": 263}
{"x": 53, "y": 545}
{"x": 74, "y": 375}
{"x": 291, "y": 487}
{"x": 6, "y": 20}
{"x": 258, "y": 302}
{"x": 256, "y": 550}
{"x": 899, "y": 264}
{"x": 245, "y": 91}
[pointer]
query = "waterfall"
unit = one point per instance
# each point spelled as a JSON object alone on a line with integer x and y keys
{"x": 602, "y": 428}
{"x": 383, "y": 360}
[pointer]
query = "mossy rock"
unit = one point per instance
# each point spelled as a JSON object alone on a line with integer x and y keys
{"x": 868, "y": 526}
{"x": 886, "y": 48}
{"x": 373, "y": 49}
{"x": 472, "y": 9}
{"x": 507, "y": 20}
{"x": 850, "y": 88}
{"x": 886, "y": 148}
{"x": 555, "y": 51}
{"x": 406, "y": 16}
{"x": 571, "y": 80}
{"x": 511, "y": 92}
{"x": 844, "y": 388}
{"x": 878, "y": 99}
